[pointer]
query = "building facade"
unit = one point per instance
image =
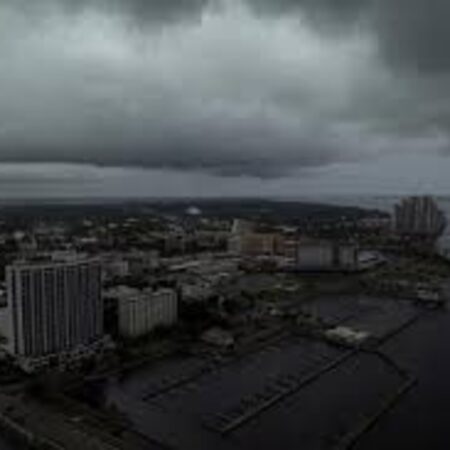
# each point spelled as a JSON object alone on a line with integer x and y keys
{"x": 55, "y": 310}
{"x": 326, "y": 256}
{"x": 419, "y": 216}
{"x": 140, "y": 311}
{"x": 315, "y": 255}
{"x": 256, "y": 244}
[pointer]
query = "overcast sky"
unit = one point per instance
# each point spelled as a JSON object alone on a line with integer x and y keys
{"x": 232, "y": 97}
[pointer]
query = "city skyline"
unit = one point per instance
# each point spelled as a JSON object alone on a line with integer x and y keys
{"x": 161, "y": 324}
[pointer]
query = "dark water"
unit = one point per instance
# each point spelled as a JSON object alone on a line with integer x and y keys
{"x": 5, "y": 445}
{"x": 315, "y": 417}
{"x": 422, "y": 419}
{"x": 182, "y": 416}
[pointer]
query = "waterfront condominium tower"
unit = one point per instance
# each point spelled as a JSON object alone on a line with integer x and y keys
{"x": 55, "y": 310}
{"x": 419, "y": 216}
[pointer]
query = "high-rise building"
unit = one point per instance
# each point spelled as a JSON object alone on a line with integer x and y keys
{"x": 419, "y": 216}
{"x": 140, "y": 311}
{"x": 55, "y": 310}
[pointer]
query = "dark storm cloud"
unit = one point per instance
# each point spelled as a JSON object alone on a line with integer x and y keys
{"x": 144, "y": 11}
{"x": 220, "y": 145}
{"x": 250, "y": 87}
{"x": 321, "y": 12}
{"x": 413, "y": 34}
{"x": 138, "y": 11}
{"x": 87, "y": 88}
{"x": 412, "y": 37}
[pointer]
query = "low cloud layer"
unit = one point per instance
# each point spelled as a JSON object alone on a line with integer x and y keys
{"x": 252, "y": 88}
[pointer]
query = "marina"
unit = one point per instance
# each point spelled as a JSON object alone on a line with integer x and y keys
{"x": 301, "y": 388}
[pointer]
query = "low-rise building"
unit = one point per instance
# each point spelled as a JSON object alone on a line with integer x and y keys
{"x": 196, "y": 291}
{"x": 321, "y": 255}
{"x": 256, "y": 244}
{"x": 315, "y": 255}
{"x": 141, "y": 263}
{"x": 114, "y": 266}
{"x": 241, "y": 226}
{"x": 382, "y": 222}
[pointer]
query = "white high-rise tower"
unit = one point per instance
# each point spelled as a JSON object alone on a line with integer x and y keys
{"x": 55, "y": 309}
